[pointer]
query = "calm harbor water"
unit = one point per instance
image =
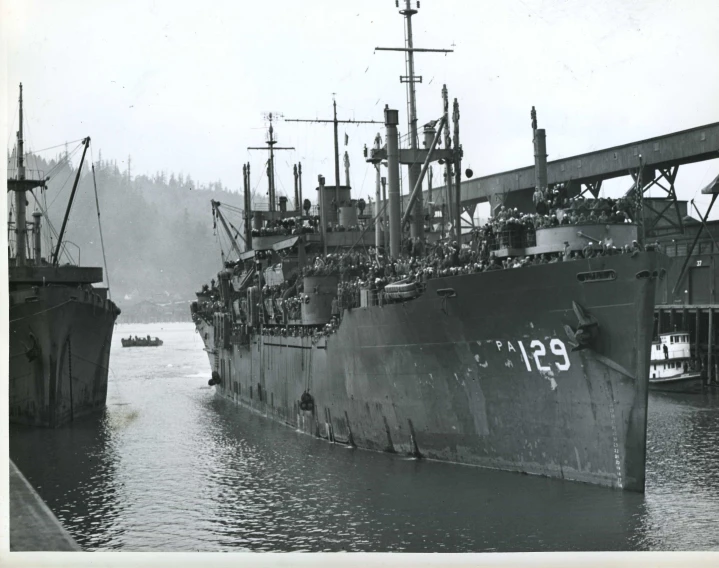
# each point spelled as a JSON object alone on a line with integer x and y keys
{"x": 168, "y": 467}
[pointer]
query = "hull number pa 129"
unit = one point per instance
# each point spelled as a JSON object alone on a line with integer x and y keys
{"x": 535, "y": 354}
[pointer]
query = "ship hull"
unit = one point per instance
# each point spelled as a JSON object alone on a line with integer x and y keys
{"x": 59, "y": 354}
{"x": 686, "y": 382}
{"x": 483, "y": 374}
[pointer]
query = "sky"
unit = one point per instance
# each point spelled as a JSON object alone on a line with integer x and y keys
{"x": 184, "y": 86}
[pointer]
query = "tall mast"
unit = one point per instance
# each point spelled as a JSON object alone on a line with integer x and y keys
{"x": 271, "y": 176}
{"x": 271, "y": 164}
{"x": 20, "y": 145}
{"x": 20, "y": 185}
{"x": 337, "y": 154}
{"x": 414, "y": 168}
{"x": 20, "y": 221}
{"x": 335, "y": 122}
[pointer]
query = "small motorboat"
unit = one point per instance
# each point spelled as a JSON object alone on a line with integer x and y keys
{"x": 672, "y": 367}
{"x": 141, "y": 342}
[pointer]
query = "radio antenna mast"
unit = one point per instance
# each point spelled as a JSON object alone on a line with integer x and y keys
{"x": 271, "y": 164}
{"x": 335, "y": 121}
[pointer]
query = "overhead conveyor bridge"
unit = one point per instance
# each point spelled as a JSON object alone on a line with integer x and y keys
{"x": 661, "y": 157}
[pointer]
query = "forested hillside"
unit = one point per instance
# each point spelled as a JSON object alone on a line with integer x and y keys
{"x": 158, "y": 231}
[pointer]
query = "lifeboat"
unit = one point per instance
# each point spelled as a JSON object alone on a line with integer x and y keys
{"x": 401, "y": 290}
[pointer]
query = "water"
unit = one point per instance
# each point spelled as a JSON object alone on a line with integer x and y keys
{"x": 168, "y": 467}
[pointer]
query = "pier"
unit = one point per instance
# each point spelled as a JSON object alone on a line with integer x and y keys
{"x": 33, "y": 526}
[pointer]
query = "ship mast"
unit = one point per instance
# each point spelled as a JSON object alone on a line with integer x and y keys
{"x": 20, "y": 185}
{"x": 271, "y": 164}
{"x": 20, "y": 201}
{"x": 414, "y": 168}
{"x": 335, "y": 122}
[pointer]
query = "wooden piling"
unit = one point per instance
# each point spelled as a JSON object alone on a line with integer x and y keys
{"x": 710, "y": 347}
{"x": 697, "y": 329}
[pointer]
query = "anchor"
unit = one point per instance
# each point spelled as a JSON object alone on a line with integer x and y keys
{"x": 32, "y": 352}
{"x": 307, "y": 401}
{"x": 587, "y": 330}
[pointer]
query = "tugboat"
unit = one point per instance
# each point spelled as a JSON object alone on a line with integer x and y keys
{"x": 672, "y": 367}
{"x": 141, "y": 342}
{"x": 528, "y": 351}
{"x": 60, "y": 324}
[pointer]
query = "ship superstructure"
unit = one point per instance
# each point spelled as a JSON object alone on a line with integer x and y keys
{"x": 60, "y": 324}
{"x": 524, "y": 346}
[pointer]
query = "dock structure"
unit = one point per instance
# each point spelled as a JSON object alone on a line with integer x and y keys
{"x": 699, "y": 321}
{"x": 33, "y": 526}
{"x": 661, "y": 156}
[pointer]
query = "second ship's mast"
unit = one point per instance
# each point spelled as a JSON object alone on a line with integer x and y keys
{"x": 20, "y": 185}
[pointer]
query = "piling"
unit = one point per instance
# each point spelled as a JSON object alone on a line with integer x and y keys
{"x": 701, "y": 329}
{"x": 710, "y": 348}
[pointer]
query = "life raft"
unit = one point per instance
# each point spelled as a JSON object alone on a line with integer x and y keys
{"x": 402, "y": 290}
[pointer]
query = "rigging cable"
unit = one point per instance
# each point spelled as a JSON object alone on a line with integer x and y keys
{"x": 45, "y": 214}
{"x": 69, "y": 175}
{"x": 99, "y": 224}
{"x": 57, "y": 146}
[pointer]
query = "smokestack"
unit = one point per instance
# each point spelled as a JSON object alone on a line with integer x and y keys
{"x": 347, "y": 168}
{"x": 323, "y": 213}
{"x": 391, "y": 120}
{"x": 248, "y": 206}
{"x": 37, "y": 252}
{"x": 540, "y": 155}
{"x": 297, "y": 195}
{"x": 299, "y": 186}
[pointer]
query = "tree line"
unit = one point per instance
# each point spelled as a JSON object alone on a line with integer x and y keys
{"x": 158, "y": 232}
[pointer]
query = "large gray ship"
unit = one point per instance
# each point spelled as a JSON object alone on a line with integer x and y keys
{"x": 60, "y": 324}
{"x": 539, "y": 366}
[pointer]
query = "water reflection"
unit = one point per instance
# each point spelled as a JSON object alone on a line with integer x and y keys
{"x": 315, "y": 496}
{"x": 170, "y": 467}
{"x": 682, "y": 497}
{"x": 76, "y": 474}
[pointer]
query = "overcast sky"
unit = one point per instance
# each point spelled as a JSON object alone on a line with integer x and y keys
{"x": 183, "y": 85}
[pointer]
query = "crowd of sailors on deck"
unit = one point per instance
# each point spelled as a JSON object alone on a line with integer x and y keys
{"x": 297, "y": 226}
{"x": 419, "y": 261}
{"x": 511, "y": 229}
{"x": 288, "y": 226}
